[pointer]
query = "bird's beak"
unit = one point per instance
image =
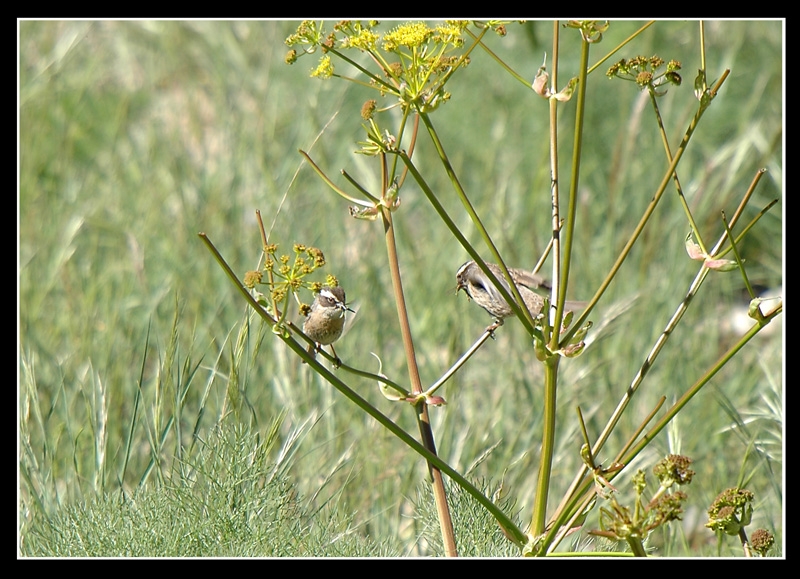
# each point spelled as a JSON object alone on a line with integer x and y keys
{"x": 462, "y": 286}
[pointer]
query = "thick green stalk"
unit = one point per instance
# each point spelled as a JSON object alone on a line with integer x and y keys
{"x": 548, "y": 446}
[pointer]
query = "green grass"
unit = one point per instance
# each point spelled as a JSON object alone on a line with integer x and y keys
{"x": 228, "y": 502}
{"x": 135, "y": 136}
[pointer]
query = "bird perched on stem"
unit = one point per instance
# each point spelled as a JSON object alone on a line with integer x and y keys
{"x": 325, "y": 321}
{"x": 477, "y": 285}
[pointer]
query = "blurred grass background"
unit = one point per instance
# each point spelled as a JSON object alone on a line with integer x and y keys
{"x": 135, "y": 136}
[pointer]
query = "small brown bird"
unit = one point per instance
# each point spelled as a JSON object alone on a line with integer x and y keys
{"x": 471, "y": 278}
{"x": 325, "y": 321}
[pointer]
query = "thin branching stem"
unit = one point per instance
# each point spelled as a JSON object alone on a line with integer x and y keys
{"x": 582, "y": 491}
{"x": 682, "y": 308}
{"x": 630, "y": 451}
{"x": 569, "y": 233}
{"x": 748, "y": 227}
{"x": 366, "y": 72}
{"x": 660, "y": 342}
{"x": 620, "y": 45}
{"x": 737, "y": 256}
{"x": 496, "y": 58}
{"x": 373, "y": 200}
{"x": 557, "y": 222}
{"x": 703, "y": 46}
{"x": 665, "y": 141}
{"x": 717, "y": 250}
{"x": 460, "y": 362}
{"x": 377, "y": 377}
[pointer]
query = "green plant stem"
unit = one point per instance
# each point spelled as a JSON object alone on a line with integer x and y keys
{"x": 388, "y": 87}
{"x": 648, "y": 364}
{"x": 560, "y": 277}
{"x": 539, "y": 514}
{"x": 689, "y": 394}
{"x": 569, "y": 234}
{"x": 371, "y": 203}
{"x": 737, "y": 257}
{"x": 717, "y": 251}
{"x": 598, "y": 554}
{"x": 635, "y": 543}
{"x": 627, "y": 456}
{"x": 577, "y": 499}
{"x": 702, "y": 45}
{"x": 514, "y": 533}
{"x": 639, "y": 378}
{"x": 634, "y": 437}
{"x": 372, "y": 199}
{"x": 748, "y": 227}
{"x": 377, "y": 377}
{"x": 548, "y": 446}
{"x": 580, "y": 504}
{"x": 412, "y": 144}
{"x": 659, "y": 344}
